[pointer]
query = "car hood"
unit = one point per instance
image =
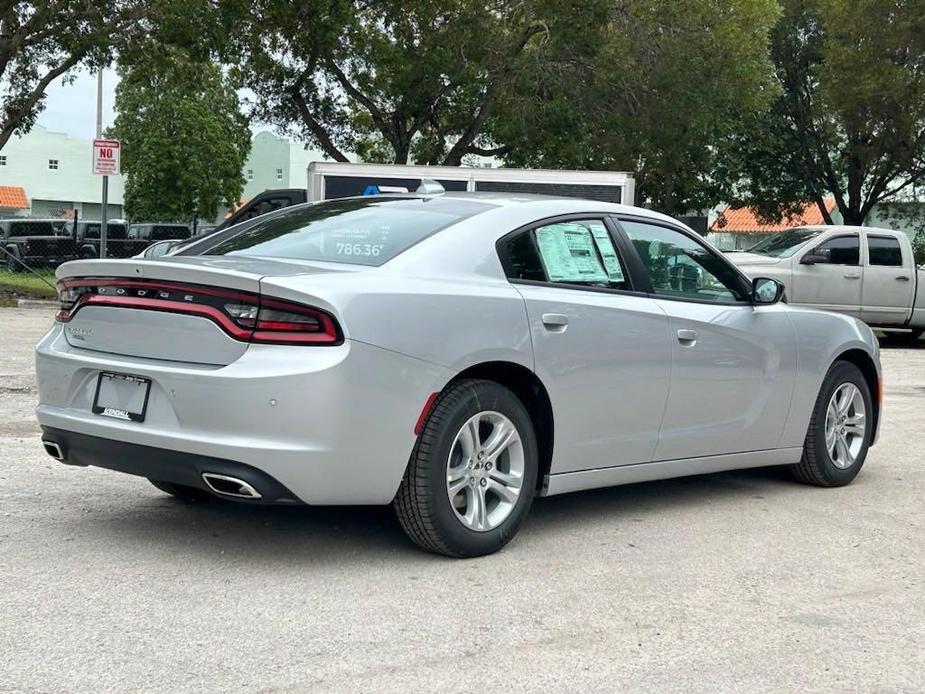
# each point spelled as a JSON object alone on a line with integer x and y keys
{"x": 743, "y": 259}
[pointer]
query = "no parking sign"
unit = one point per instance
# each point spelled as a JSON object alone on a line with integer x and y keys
{"x": 106, "y": 157}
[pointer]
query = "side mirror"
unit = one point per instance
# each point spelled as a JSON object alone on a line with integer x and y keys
{"x": 816, "y": 256}
{"x": 766, "y": 291}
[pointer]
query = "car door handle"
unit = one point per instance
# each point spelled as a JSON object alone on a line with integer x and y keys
{"x": 555, "y": 322}
{"x": 902, "y": 278}
{"x": 687, "y": 337}
{"x": 852, "y": 276}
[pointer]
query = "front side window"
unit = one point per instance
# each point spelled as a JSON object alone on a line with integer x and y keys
{"x": 577, "y": 252}
{"x": 842, "y": 250}
{"x": 681, "y": 268}
{"x": 884, "y": 250}
{"x": 362, "y": 231}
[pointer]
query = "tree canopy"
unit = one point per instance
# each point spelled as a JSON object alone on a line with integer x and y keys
{"x": 849, "y": 121}
{"x": 389, "y": 80}
{"x": 654, "y": 87}
{"x": 184, "y": 138}
{"x": 40, "y": 42}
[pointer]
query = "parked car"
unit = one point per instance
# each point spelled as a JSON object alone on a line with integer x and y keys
{"x": 160, "y": 248}
{"x": 34, "y": 243}
{"x": 158, "y": 231}
{"x": 455, "y": 355}
{"x": 118, "y": 243}
{"x": 864, "y": 272}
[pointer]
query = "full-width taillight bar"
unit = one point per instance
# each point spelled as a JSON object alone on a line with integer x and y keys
{"x": 245, "y": 316}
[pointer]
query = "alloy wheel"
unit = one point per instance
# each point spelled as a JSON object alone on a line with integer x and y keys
{"x": 485, "y": 471}
{"x": 845, "y": 425}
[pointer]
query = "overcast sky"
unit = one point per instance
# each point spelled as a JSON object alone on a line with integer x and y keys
{"x": 71, "y": 108}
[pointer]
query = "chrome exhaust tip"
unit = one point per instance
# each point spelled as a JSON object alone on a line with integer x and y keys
{"x": 53, "y": 449}
{"x": 229, "y": 486}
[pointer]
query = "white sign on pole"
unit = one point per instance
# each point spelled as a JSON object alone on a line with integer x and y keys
{"x": 106, "y": 157}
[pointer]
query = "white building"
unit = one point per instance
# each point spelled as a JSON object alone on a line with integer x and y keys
{"x": 55, "y": 172}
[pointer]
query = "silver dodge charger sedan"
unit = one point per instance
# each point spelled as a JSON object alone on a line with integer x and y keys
{"x": 452, "y": 354}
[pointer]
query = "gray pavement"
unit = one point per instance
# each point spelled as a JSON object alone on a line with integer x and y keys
{"x": 732, "y": 582}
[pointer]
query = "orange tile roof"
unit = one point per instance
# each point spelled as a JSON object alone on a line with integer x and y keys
{"x": 13, "y": 198}
{"x": 744, "y": 220}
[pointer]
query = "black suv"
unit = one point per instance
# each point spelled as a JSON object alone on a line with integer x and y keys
{"x": 118, "y": 243}
{"x": 35, "y": 243}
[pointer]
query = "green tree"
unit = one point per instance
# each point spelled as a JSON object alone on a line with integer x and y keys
{"x": 849, "y": 122}
{"x": 42, "y": 41}
{"x": 658, "y": 88}
{"x": 183, "y": 135}
{"x": 389, "y": 80}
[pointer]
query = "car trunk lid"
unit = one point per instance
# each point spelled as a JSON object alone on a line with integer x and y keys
{"x": 187, "y": 309}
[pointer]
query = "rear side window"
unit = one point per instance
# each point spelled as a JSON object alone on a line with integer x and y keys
{"x": 574, "y": 252}
{"x": 32, "y": 229}
{"x": 884, "y": 250}
{"x": 113, "y": 231}
{"x": 363, "y": 231}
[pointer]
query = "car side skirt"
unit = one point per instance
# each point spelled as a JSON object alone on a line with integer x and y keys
{"x": 666, "y": 469}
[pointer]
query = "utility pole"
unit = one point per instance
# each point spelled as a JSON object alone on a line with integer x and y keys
{"x": 99, "y": 134}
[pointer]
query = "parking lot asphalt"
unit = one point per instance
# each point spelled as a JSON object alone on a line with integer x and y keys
{"x": 730, "y": 582}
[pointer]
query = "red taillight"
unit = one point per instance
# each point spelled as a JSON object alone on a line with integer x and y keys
{"x": 244, "y": 316}
{"x": 285, "y": 322}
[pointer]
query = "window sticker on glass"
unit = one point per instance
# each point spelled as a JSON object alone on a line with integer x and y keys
{"x": 608, "y": 254}
{"x": 569, "y": 255}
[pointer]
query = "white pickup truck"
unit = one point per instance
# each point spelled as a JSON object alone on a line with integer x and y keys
{"x": 862, "y": 271}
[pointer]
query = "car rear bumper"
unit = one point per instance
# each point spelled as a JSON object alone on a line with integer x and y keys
{"x": 332, "y": 425}
{"x": 165, "y": 465}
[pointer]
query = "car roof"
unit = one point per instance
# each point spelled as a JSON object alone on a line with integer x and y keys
{"x": 846, "y": 228}
{"x": 506, "y": 199}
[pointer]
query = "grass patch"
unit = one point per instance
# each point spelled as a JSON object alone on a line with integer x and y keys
{"x": 25, "y": 285}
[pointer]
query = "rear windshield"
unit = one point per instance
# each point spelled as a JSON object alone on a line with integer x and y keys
{"x": 113, "y": 231}
{"x": 363, "y": 231}
{"x": 33, "y": 228}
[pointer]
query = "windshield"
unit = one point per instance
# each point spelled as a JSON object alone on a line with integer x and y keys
{"x": 363, "y": 231}
{"x": 785, "y": 244}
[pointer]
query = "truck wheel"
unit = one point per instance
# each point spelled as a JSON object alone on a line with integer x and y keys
{"x": 13, "y": 264}
{"x": 181, "y": 491}
{"x": 472, "y": 474}
{"x": 839, "y": 430}
{"x": 908, "y": 339}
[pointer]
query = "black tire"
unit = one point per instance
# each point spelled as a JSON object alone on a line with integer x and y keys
{"x": 906, "y": 339}
{"x": 422, "y": 504}
{"x": 816, "y": 467}
{"x": 13, "y": 264}
{"x": 181, "y": 491}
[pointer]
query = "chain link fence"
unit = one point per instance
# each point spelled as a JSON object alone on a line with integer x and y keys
{"x": 40, "y": 245}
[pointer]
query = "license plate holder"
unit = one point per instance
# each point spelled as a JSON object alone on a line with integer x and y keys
{"x": 121, "y": 396}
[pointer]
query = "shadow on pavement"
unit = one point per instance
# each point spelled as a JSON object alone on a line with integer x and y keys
{"x": 282, "y": 535}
